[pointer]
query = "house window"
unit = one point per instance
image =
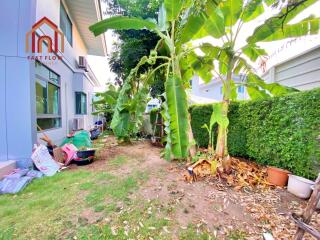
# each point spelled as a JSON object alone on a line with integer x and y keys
{"x": 240, "y": 89}
{"x": 65, "y": 23}
{"x": 47, "y": 97}
{"x": 81, "y": 103}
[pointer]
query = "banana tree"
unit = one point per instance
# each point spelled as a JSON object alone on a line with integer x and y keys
{"x": 226, "y": 22}
{"x": 173, "y": 24}
{"x": 106, "y": 101}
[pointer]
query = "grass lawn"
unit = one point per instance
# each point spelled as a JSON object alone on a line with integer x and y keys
{"x": 85, "y": 204}
{"x": 129, "y": 192}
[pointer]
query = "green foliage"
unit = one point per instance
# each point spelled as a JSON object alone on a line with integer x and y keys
{"x": 200, "y": 115}
{"x": 106, "y": 102}
{"x": 177, "y": 107}
{"x": 279, "y": 131}
{"x": 132, "y": 44}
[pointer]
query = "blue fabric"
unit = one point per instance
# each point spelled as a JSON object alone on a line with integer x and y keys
{"x": 18, "y": 180}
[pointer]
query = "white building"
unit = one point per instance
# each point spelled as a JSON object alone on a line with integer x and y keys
{"x": 212, "y": 91}
{"x": 53, "y": 91}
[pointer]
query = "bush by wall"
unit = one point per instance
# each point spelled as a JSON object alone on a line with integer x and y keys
{"x": 280, "y": 131}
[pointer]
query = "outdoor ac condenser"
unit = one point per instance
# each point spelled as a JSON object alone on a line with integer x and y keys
{"x": 78, "y": 123}
{"x": 82, "y": 63}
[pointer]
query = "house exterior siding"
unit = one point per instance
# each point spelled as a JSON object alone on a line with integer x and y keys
{"x": 18, "y": 114}
{"x": 301, "y": 72}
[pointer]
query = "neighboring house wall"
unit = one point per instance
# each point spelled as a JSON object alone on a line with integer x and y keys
{"x": 213, "y": 89}
{"x": 301, "y": 72}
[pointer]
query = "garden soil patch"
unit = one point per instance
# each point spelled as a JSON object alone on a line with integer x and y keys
{"x": 209, "y": 204}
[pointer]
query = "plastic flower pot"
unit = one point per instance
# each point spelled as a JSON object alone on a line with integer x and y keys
{"x": 318, "y": 205}
{"x": 299, "y": 186}
{"x": 277, "y": 176}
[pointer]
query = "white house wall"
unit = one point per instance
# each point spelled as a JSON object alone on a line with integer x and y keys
{"x": 3, "y": 118}
{"x": 51, "y": 10}
{"x": 16, "y": 108}
{"x": 70, "y": 80}
{"x": 17, "y": 79}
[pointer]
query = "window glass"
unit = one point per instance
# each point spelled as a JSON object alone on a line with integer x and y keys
{"x": 240, "y": 89}
{"x": 41, "y": 96}
{"x": 81, "y": 103}
{"x": 53, "y": 99}
{"x": 47, "y": 123}
{"x": 65, "y": 24}
{"x": 47, "y": 97}
{"x": 54, "y": 77}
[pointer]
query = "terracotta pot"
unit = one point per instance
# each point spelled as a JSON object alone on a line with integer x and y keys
{"x": 277, "y": 176}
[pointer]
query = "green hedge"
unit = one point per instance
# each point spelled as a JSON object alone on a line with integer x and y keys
{"x": 280, "y": 131}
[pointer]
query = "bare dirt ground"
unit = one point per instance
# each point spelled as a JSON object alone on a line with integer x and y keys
{"x": 207, "y": 204}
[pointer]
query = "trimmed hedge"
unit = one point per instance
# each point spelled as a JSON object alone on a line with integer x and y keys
{"x": 279, "y": 131}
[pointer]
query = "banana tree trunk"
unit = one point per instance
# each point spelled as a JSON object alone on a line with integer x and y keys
{"x": 192, "y": 147}
{"x": 221, "y": 147}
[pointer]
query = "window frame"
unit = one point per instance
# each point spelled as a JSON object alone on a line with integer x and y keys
{"x": 63, "y": 8}
{"x": 75, "y": 99}
{"x": 58, "y": 85}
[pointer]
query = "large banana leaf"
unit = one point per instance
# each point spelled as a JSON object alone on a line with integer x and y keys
{"x": 215, "y": 24}
{"x": 256, "y": 93}
{"x": 178, "y": 111}
{"x": 121, "y": 23}
{"x": 191, "y": 28}
{"x": 252, "y": 10}
{"x": 210, "y": 50}
{"x": 253, "y": 51}
{"x": 173, "y": 8}
{"x": 166, "y": 122}
{"x": 121, "y": 116}
{"x": 275, "y": 23}
{"x": 120, "y": 124}
{"x": 231, "y": 10}
{"x": 309, "y": 26}
{"x": 202, "y": 66}
{"x": 162, "y": 18}
{"x": 241, "y": 65}
{"x": 258, "y": 88}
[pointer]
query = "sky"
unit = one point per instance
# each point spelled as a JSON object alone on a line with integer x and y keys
{"x": 278, "y": 51}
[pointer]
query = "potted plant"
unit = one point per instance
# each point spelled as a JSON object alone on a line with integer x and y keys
{"x": 277, "y": 176}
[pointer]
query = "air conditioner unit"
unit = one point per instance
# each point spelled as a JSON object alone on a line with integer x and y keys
{"x": 82, "y": 63}
{"x": 78, "y": 124}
